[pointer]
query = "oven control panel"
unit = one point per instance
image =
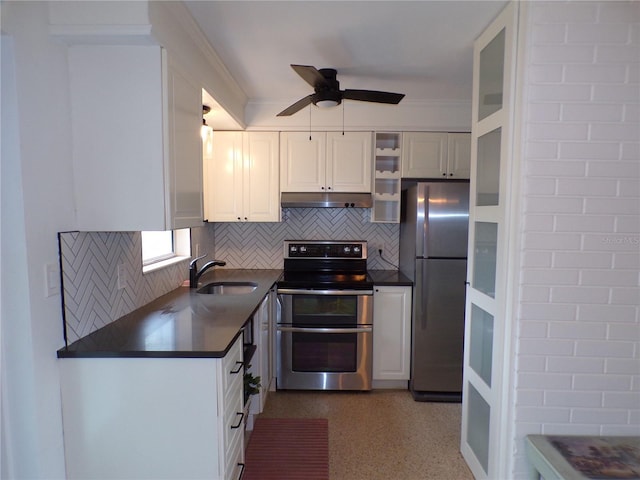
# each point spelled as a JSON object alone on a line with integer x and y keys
{"x": 325, "y": 249}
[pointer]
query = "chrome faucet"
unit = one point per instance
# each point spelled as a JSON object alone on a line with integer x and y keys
{"x": 195, "y": 274}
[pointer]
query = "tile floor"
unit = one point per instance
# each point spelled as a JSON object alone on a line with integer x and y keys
{"x": 381, "y": 435}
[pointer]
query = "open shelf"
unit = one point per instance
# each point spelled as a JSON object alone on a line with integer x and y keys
{"x": 249, "y": 351}
{"x": 386, "y": 191}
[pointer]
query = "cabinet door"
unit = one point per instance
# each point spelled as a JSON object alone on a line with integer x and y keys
{"x": 459, "y": 155}
{"x": 224, "y": 178}
{"x": 117, "y": 154}
{"x": 168, "y": 408}
{"x": 138, "y": 163}
{"x": 349, "y": 161}
{"x": 261, "y": 194}
{"x": 260, "y": 360}
{"x": 391, "y": 333}
{"x": 184, "y": 120}
{"x": 302, "y": 162}
{"x": 424, "y": 155}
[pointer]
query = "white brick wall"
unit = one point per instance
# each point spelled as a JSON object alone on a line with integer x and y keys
{"x": 578, "y": 345}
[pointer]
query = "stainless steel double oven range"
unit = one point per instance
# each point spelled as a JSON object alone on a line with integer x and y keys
{"x": 324, "y": 334}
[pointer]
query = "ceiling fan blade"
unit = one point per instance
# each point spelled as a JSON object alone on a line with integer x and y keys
{"x": 299, "y": 105}
{"x": 373, "y": 96}
{"x": 311, "y": 75}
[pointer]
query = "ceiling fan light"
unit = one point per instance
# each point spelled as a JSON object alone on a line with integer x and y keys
{"x": 327, "y": 98}
{"x": 326, "y": 103}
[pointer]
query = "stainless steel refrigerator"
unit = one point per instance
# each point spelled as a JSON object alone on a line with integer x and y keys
{"x": 433, "y": 253}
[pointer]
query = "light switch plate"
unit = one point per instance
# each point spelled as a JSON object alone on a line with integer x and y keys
{"x": 122, "y": 276}
{"x": 51, "y": 279}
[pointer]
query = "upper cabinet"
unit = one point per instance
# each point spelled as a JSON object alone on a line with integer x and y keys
{"x": 325, "y": 162}
{"x": 184, "y": 158}
{"x": 459, "y": 155}
{"x": 436, "y": 155}
{"x": 137, "y": 73}
{"x": 137, "y": 151}
{"x": 241, "y": 177}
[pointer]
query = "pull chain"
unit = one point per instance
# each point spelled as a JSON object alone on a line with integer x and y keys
{"x": 343, "y": 119}
{"x": 310, "y": 122}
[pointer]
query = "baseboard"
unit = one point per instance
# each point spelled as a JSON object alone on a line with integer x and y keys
{"x": 390, "y": 384}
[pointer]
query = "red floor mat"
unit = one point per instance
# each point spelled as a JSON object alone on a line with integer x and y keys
{"x": 288, "y": 449}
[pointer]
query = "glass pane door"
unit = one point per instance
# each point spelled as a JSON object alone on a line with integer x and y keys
{"x": 486, "y": 325}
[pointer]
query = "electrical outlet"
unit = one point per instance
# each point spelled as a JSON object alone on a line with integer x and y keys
{"x": 122, "y": 276}
{"x": 51, "y": 279}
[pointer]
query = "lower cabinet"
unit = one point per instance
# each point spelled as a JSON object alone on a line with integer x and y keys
{"x": 391, "y": 332}
{"x": 151, "y": 418}
{"x": 260, "y": 363}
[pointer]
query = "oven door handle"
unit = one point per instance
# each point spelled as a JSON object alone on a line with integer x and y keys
{"x": 325, "y": 330}
{"x": 301, "y": 291}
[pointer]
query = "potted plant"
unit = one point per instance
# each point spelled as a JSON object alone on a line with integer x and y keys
{"x": 251, "y": 384}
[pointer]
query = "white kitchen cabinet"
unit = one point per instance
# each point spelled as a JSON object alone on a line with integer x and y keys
{"x": 325, "y": 162}
{"x": 136, "y": 145}
{"x": 260, "y": 363}
{"x": 147, "y": 418}
{"x": 436, "y": 155}
{"x": 231, "y": 404}
{"x": 391, "y": 332}
{"x": 459, "y": 155}
{"x": 242, "y": 174}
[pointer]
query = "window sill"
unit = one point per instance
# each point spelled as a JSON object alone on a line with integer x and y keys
{"x": 164, "y": 264}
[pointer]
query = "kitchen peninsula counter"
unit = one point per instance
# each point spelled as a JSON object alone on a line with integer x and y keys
{"x": 182, "y": 323}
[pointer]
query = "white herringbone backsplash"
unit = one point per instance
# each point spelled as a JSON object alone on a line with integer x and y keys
{"x": 90, "y": 259}
{"x": 90, "y": 279}
{"x": 259, "y": 245}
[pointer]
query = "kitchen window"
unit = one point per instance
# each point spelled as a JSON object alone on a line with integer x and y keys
{"x": 163, "y": 248}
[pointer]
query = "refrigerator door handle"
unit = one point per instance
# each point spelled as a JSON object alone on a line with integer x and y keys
{"x": 422, "y": 220}
{"x": 422, "y": 286}
{"x": 425, "y": 296}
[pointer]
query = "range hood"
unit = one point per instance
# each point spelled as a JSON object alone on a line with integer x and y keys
{"x": 325, "y": 200}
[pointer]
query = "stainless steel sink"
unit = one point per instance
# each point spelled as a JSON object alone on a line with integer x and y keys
{"x": 228, "y": 288}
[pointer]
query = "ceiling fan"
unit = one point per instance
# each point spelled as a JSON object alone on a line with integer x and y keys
{"x": 328, "y": 93}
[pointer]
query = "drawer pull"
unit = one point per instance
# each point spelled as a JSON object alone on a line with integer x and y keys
{"x": 239, "y": 367}
{"x": 239, "y": 422}
{"x": 241, "y": 465}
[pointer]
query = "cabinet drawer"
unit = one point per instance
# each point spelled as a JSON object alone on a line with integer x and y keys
{"x": 236, "y": 441}
{"x": 232, "y": 437}
{"x": 235, "y": 460}
{"x": 234, "y": 392}
{"x": 233, "y": 407}
{"x": 232, "y": 366}
{"x": 233, "y": 399}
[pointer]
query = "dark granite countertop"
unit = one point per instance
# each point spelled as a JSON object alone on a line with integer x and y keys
{"x": 181, "y": 323}
{"x": 389, "y": 278}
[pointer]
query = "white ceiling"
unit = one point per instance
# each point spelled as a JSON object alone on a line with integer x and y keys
{"x": 420, "y": 48}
